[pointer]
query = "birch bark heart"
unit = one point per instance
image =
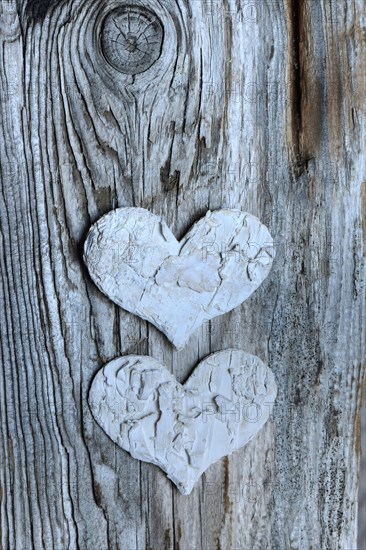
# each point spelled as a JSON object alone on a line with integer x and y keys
{"x": 183, "y": 429}
{"x": 134, "y": 258}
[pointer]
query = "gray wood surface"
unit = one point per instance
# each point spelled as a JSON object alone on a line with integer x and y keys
{"x": 256, "y": 105}
{"x": 362, "y": 489}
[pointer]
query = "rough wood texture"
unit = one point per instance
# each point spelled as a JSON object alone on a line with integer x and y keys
{"x": 258, "y": 106}
{"x": 362, "y": 489}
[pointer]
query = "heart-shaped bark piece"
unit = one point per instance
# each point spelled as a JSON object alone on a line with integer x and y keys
{"x": 134, "y": 258}
{"x": 183, "y": 429}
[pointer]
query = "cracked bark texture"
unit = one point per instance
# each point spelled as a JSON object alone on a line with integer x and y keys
{"x": 258, "y": 106}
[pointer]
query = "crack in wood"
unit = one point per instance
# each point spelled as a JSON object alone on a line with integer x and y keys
{"x": 38, "y": 9}
{"x": 295, "y": 22}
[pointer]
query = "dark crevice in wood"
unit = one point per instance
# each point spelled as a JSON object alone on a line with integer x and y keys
{"x": 305, "y": 99}
{"x": 226, "y": 485}
{"x": 296, "y": 77}
{"x": 295, "y": 22}
{"x": 170, "y": 181}
{"x": 38, "y": 9}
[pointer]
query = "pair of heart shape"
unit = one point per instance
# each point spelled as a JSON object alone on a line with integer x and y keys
{"x": 133, "y": 257}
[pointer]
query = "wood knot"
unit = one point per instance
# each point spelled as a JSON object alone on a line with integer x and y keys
{"x": 132, "y": 39}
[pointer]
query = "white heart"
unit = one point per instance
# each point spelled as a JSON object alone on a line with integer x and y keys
{"x": 183, "y": 429}
{"x": 134, "y": 258}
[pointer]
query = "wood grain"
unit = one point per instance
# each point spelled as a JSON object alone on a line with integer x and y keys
{"x": 251, "y": 105}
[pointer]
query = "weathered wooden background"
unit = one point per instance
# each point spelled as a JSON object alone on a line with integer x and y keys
{"x": 362, "y": 490}
{"x": 258, "y": 105}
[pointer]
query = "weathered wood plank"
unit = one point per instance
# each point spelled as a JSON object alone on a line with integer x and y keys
{"x": 257, "y": 105}
{"x": 362, "y": 489}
